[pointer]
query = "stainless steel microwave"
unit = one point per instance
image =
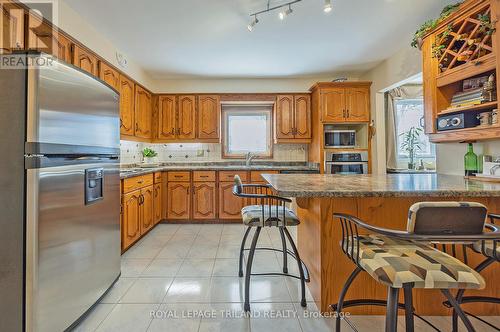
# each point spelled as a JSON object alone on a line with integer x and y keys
{"x": 340, "y": 138}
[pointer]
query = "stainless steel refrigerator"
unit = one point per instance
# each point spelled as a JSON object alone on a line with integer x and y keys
{"x": 59, "y": 197}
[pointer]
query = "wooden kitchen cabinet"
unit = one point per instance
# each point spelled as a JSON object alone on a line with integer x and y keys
{"x": 344, "y": 102}
{"x": 157, "y": 203}
{"x": 109, "y": 75}
{"x": 209, "y": 110}
{"x": 186, "y": 117}
{"x": 131, "y": 218}
{"x": 12, "y": 28}
{"x": 84, "y": 59}
{"x": 293, "y": 119}
{"x": 46, "y": 38}
{"x": 204, "y": 200}
{"x": 178, "y": 201}
{"x": 229, "y": 205}
{"x": 147, "y": 211}
{"x": 127, "y": 106}
{"x": 143, "y": 113}
{"x": 167, "y": 117}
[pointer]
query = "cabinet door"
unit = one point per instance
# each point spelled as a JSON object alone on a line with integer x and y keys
{"x": 179, "y": 202}
{"x": 84, "y": 60}
{"x": 302, "y": 106}
{"x": 12, "y": 28}
{"x": 167, "y": 111}
{"x": 45, "y": 38}
{"x": 127, "y": 106}
{"x": 285, "y": 122}
{"x": 147, "y": 210}
{"x": 204, "y": 200}
{"x": 131, "y": 227}
{"x": 109, "y": 75}
{"x": 143, "y": 112}
{"x": 229, "y": 205}
{"x": 357, "y": 105}
{"x": 186, "y": 117}
{"x": 333, "y": 105}
{"x": 208, "y": 117}
{"x": 157, "y": 203}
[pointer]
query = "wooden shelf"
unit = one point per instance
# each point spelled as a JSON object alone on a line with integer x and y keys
{"x": 466, "y": 135}
{"x": 491, "y": 104}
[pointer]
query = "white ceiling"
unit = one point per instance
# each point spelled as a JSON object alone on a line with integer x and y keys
{"x": 201, "y": 38}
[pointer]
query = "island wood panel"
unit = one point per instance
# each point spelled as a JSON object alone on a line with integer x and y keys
{"x": 318, "y": 241}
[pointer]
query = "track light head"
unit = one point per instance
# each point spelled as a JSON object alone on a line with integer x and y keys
{"x": 328, "y": 6}
{"x": 283, "y": 14}
{"x": 253, "y": 23}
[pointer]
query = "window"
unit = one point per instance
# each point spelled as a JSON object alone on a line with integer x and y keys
{"x": 410, "y": 113}
{"x": 247, "y": 128}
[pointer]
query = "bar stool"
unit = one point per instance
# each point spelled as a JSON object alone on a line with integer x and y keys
{"x": 491, "y": 251}
{"x": 271, "y": 211}
{"x": 407, "y": 259}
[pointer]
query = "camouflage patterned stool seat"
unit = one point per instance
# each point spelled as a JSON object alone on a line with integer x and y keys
{"x": 410, "y": 259}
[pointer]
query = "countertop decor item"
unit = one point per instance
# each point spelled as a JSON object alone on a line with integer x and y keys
{"x": 149, "y": 155}
{"x": 470, "y": 161}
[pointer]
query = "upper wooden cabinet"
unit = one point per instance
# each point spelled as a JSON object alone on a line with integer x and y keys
{"x": 84, "y": 60}
{"x": 344, "y": 102}
{"x": 143, "y": 113}
{"x": 208, "y": 117}
{"x": 293, "y": 118}
{"x": 109, "y": 75}
{"x": 186, "y": 117}
{"x": 46, "y": 38}
{"x": 12, "y": 28}
{"x": 127, "y": 106}
{"x": 167, "y": 117}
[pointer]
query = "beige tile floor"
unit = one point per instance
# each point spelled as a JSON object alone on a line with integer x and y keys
{"x": 187, "y": 276}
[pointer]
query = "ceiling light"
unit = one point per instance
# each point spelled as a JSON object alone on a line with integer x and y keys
{"x": 328, "y": 6}
{"x": 253, "y": 23}
{"x": 283, "y": 14}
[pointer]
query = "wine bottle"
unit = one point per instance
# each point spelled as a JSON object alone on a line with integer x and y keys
{"x": 470, "y": 161}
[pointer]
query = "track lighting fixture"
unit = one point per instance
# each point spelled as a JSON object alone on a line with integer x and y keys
{"x": 328, "y": 6}
{"x": 253, "y": 23}
{"x": 284, "y": 12}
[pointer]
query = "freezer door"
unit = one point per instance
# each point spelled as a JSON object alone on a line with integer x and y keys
{"x": 72, "y": 241}
{"x": 68, "y": 106}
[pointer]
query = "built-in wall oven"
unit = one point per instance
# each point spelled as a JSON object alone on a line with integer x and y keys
{"x": 346, "y": 162}
{"x": 335, "y": 138}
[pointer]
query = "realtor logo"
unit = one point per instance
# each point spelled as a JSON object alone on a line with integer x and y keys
{"x": 39, "y": 33}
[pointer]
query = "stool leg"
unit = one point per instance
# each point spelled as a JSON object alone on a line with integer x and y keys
{"x": 410, "y": 325}
{"x": 242, "y": 249}
{"x": 303, "y": 302}
{"x": 343, "y": 293}
{"x": 391, "y": 316}
{"x": 249, "y": 268}
{"x": 285, "y": 255}
{"x": 458, "y": 310}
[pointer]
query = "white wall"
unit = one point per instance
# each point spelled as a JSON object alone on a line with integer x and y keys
{"x": 393, "y": 71}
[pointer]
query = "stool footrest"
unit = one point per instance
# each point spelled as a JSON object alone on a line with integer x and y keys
{"x": 471, "y": 299}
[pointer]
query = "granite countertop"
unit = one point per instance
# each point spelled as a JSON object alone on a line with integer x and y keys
{"x": 128, "y": 171}
{"x": 390, "y": 185}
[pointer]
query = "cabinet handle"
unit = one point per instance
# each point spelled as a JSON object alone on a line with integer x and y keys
{"x": 121, "y": 123}
{"x": 173, "y": 131}
{"x": 347, "y": 113}
{"x": 140, "y": 181}
{"x": 178, "y": 176}
{"x": 343, "y": 113}
{"x": 137, "y": 127}
{"x": 203, "y": 176}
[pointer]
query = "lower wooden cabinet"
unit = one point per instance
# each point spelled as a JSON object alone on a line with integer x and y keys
{"x": 147, "y": 209}
{"x": 204, "y": 198}
{"x": 157, "y": 206}
{"x": 229, "y": 205}
{"x": 131, "y": 218}
{"x": 178, "y": 201}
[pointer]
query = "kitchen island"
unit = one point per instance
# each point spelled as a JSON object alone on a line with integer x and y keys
{"x": 381, "y": 200}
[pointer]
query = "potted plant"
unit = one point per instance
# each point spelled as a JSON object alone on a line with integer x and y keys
{"x": 149, "y": 155}
{"x": 411, "y": 144}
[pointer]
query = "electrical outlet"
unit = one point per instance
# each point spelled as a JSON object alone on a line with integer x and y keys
{"x": 200, "y": 153}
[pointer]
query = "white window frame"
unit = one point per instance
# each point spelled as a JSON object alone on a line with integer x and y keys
{"x": 242, "y": 110}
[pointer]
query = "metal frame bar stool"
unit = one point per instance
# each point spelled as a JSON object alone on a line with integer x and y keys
{"x": 491, "y": 251}
{"x": 407, "y": 259}
{"x": 269, "y": 211}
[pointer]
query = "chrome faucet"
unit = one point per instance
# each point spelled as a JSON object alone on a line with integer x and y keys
{"x": 248, "y": 158}
{"x": 495, "y": 167}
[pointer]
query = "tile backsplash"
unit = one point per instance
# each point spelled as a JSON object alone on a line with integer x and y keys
{"x": 130, "y": 152}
